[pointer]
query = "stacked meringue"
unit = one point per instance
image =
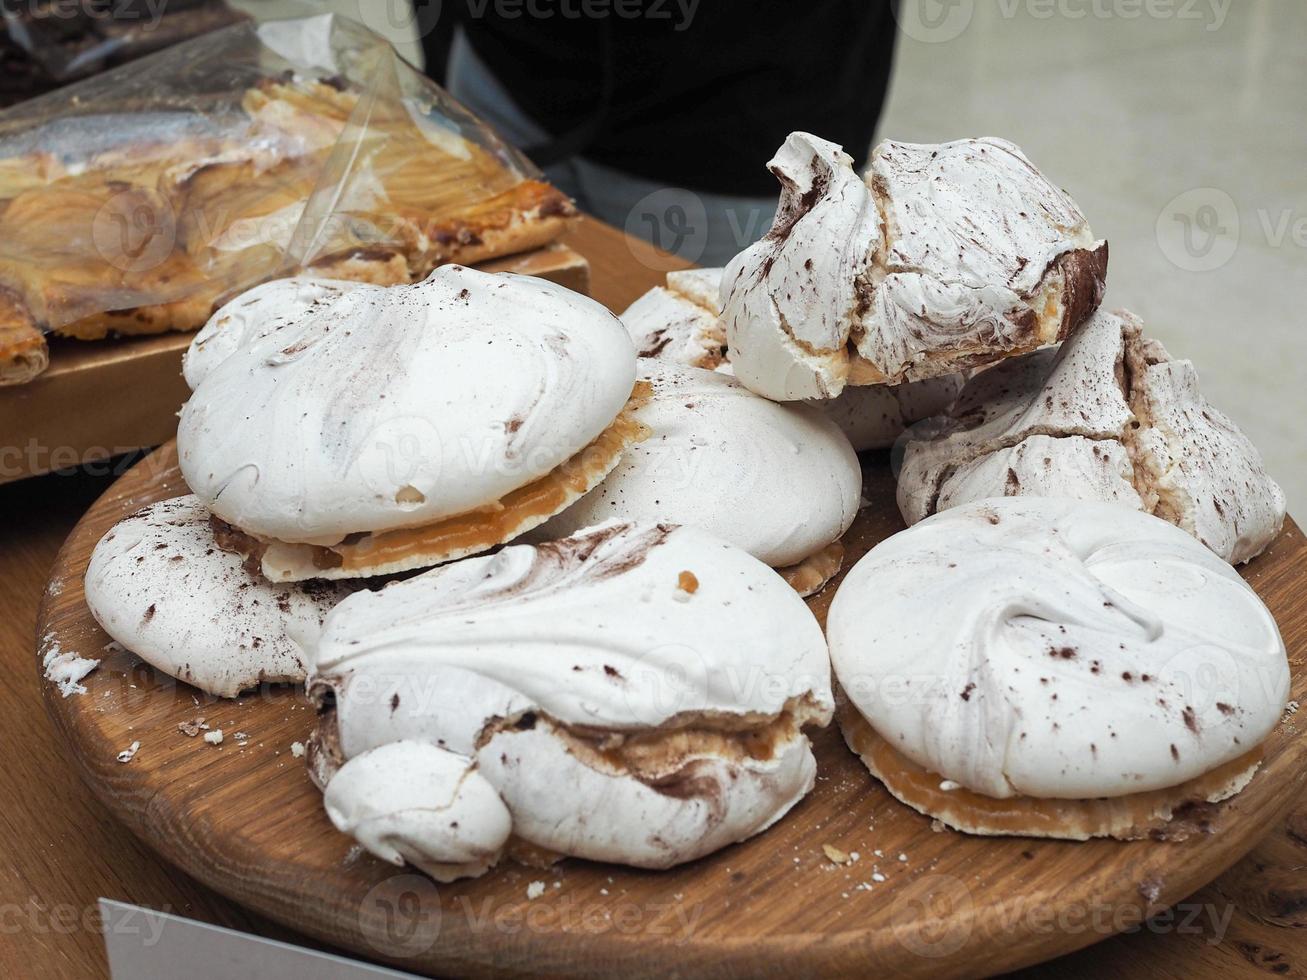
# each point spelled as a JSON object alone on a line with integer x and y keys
{"x": 603, "y": 652}
{"x": 638, "y": 691}
{"x": 1016, "y": 664}
{"x": 339, "y": 431}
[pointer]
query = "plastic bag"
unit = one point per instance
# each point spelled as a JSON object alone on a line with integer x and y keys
{"x": 138, "y": 200}
{"x": 62, "y": 40}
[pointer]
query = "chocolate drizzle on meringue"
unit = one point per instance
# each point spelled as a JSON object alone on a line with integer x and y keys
{"x": 1109, "y": 417}
{"x": 947, "y": 257}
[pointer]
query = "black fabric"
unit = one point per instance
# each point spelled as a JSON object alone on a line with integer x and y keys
{"x": 697, "y": 95}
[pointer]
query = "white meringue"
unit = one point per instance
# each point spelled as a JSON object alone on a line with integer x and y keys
{"x": 256, "y": 313}
{"x": 1057, "y": 649}
{"x": 634, "y": 693}
{"x": 397, "y": 407}
{"x": 779, "y": 481}
{"x": 411, "y": 801}
{"x": 874, "y": 416}
{"x": 1107, "y": 417}
{"x": 949, "y": 256}
{"x": 159, "y": 585}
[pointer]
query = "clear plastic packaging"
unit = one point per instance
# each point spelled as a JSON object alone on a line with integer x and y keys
{"x": 138, "y": 200}
{"x": 60, "y": 41}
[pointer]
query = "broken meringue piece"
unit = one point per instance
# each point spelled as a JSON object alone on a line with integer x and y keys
{"x": 948, "y": 257}
{"x": 778, "y": 480}
{"x": 158, "y": 584}
{"x": 414, "y": 802}
{"x": 634, "y": 693}
{"x": 790, "y": 301}
{"x": 871, "y": 416}
{"x": 1107, "y": 417}
{"x": 676, "y": 326}
{"x": 1076, "y": 669}
{"x": 382, "y": 429}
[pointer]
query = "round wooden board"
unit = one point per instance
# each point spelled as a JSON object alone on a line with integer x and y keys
{"x": 243, "y": 818}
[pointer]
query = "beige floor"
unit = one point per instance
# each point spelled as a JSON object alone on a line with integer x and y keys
{"x": 1180, "y": 126}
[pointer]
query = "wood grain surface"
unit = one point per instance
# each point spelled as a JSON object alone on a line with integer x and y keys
{"x": 246, "y": 820}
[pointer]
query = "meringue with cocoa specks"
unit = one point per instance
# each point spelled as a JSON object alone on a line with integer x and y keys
{"x": 259, "y": 311}
{"x": 778, "y": 480}
{"x": 947, "y": 257}
{"x": 159, "y": 585}
{"x": 635, "y": 693}
{"x": 1055, "y": 668}
{"x": 384, "y": 429}
{"x": 682, "y": 324}
{"x": 1110, "y": 417}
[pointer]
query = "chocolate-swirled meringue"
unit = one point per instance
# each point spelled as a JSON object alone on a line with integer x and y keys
{"x": 681, "y": 323}
{"x": 635, "y": 693}
{"x": 1053, "y": 667}
{"x": 1111, "y": 417}
{"x": 949, "y": 256}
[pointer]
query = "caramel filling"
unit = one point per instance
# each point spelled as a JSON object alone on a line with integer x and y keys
{"x": 536, "y": 501}
{"x": 1132, "y": 815}
{"x": 811, "y": 574}
{"x": 487, "y": 526}
{"x": 664, "y": 757}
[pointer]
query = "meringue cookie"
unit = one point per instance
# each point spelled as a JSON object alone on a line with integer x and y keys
{"x": 1036, "y": 650}
{"x": 389, "y": 428}
{"x": 675, "y": 326}
{"x": 672, "y": 324}
{"x": 159, "y": 585}
{"x": 790, "y": 301}
{"x": 635, "y": 693}
{"x": 949, "y": 256}
{"x": 779, "y": 481}
{"x": 1107, "y": 417}
{"x": 414, "y": 802}
{"x": 256, "y": 313}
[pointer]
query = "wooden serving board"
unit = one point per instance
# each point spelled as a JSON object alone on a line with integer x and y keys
{"x": 103, "y": 398}
{"x": 243, "y": 818}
